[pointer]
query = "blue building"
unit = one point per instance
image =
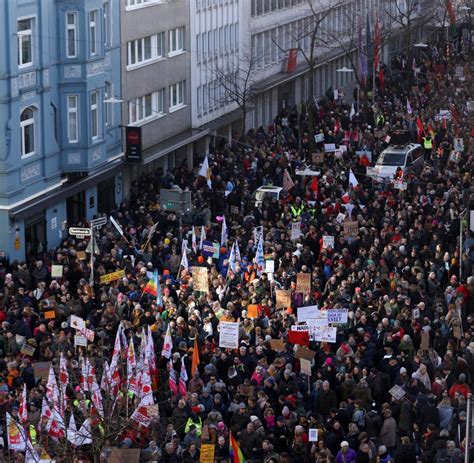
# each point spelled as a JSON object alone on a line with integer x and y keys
{"x": 60, "y": 141}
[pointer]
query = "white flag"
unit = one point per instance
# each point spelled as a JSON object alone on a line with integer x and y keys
{"x": 15, "y": 434}
{"x": 193, "y": 240}
{"x": 167, "y": 345}
{"x": 224, "y": 232}
{"x": 353, "y": 111}
{"x": 409, "y": 108}
{"x": 260, "y": 257}
{"x": 203, "y": 236}
{"x": 116, "y": 225}
{"x": 205, "y": 172}
{"x": 352, "y": 179}
{"x": 184, "y": 260}
{"x": 232, "y": 257}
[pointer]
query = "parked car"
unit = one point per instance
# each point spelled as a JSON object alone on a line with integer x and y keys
{"x": 408, "y": 157}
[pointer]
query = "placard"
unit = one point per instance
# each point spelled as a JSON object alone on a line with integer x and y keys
{"x": 317, "y": 158}
{"x": 455, "y": 156}
{"x": 277, "y": 345}
{"x": 397, "y": 392}
{"x": 313, "y": 435}
{"x": 337, "y": 316}
{"x": 26, "y": 349}
{"x": 270, "y": 266}
{"x": 77, "y": 323}
{"x": 328, "y": 242}
{"x": 283, "y": 298}
{"x": 56, "y": 271}
{"x": 303, "y": 283}
{"x": 106, "y": 279}
{"x": 340, "y": 217}
{"x": 207, "y": 453}
{"x": 41, "y": 370}
{"x": 80, "y": 341}
{"x": 50, "y": 314}
{"x": 309, "y": 312}
{"x": 304, "y": 353}
{"x": 400, "y": 185}
{"x": 415, "y": 313}
{"x": 425, "y": 340}
{"x": 351, "y": 228}
{"x": 229, "y": 335}
{"x": 200, "y": 279}
{"x": 252, "y": 311}
{"x": 295, "y": 231}
{"x": 323, "y": 333}
{"x": 305, "y": 366}
{"x": 458, "y": 144}
{"x": 319, "y": 138}
{"x": 81, "y": 255}
{"x": 329, "y": 147}
{"x": 124, "y": 456}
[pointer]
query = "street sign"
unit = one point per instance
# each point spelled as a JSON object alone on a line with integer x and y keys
{"x": 96, "y": 247}
{"x": 100, "y": 222}
{"x": 80, "y": 232}
{"x": 175, "y": 200}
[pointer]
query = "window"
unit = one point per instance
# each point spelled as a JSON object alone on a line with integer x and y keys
{"x": 27, "y": 128}
{"x": 132, "y": 4}
{"x": 176, "y": 40}
{"x": 108, "y": 108}
{"x": 72, "y": 121}
{"x": 93, "y": 32}
{"x": 146, "y": 108}
{"x": 108, "y": 24}
{"x": 177, "y": 95}
{"x": 71, "y": 35}
{"x": 145, "y": 50}
{"x": 94, "y": 115}
{"x": 25, "y": 42}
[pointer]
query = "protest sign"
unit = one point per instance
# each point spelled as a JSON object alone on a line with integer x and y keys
{"x": 306, "y": 313}
{"x": 283, "y": 298}
{"x": 303, "y": 283}
{"x": 80, "y": 341}
{"x": 329, "y": 147}
{"x": 319, "y": 137}
{"x": 269, "y": 266}
{"x": 81, "y": 255}
{"x": 337, "y": 316}
{"x": 77, "y": 323}
{"x": 125, "y": 456}
{"x": 317, "y": 158}
{"x": 305, "y": 366}
{"x": 340, "y": 217}
{"x": 207, "y": 453}
{"x": 400, "y": 185}
{"x": 313, "y": 435}
{"x": 26, "y": 349}
{"x": 397, "y": 392}
{"x": 41, "y": 370}
{"x": 328, "y": 242}
{"x": 295, "y": 231}
{"x": 458, "y": 144}
{"x": 229, "y": 335}
{"x": 351, "y": 228}
{"x": 321, "y": 319}
{"x": 323, "y": 333}
{"x": 304, "y": 353}
{"x": 50, "y": 314}
{"x": 200, "y": 279}
{"x": 56, "y": 271}
{"x": 114, "y": 276}
{"x": 252, "y": 311}
{"x": 277, "y": 345}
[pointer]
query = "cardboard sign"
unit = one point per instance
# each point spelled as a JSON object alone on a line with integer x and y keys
{"x": 41, "y": 370}
{"x": 328, "y": 242}
{"x": 283, "y": 298}
{"x": 229, "y": 335}
{"x": 56, "y": 271}
{"x": 329, "y": 147}
{"x": 277, "y": 345}
{"x": 26, "y": 349}
{"x": 200, "y": 279}
{"x": 337, "y": 316}
{"x": 80, "y": 341}
{"x": 397, "y": 392}
{"x": 77, "y": 323}
{"x": 50, "y": 314}
{"x": 425, "y": 340}
{"x": 340, "y": 217}
{"x": 125, "y": 456}
{"x": 351, "y": 228}
{"x": 303, "y": 283}
{"x": 81, "y": 255}
{"x": 207, "y": 453}
{"x": 305, "y": 366}
{"x": 400, "y": 185}
{"x": 252, "y": 311}
{"x": 313, "y": 435}
{"x": 114, "y": 276}
{"x": 269, "y": 266}
{"x": 323, "y": 333}
{"x": 295, "y": 231}
{"x": 317, "y": 158}
{"x": 319, "y": 138}
{"x": 304, "y": 353}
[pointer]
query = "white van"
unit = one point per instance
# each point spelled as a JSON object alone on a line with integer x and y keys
{"x": 408, "y": 157}
{"x": 266, "y": 192}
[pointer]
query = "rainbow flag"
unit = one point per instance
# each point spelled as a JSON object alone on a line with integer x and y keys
{"x": 235, "y": 452}
{"x": 152, "y": 285}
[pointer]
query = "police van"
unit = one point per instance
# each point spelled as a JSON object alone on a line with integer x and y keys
{"x": 266, "y": 192}
{"x": 408, "y": 158}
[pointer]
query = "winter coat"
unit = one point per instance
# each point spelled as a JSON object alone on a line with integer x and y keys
{"x": 388, "y": 433}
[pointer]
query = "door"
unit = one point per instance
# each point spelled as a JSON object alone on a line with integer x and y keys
{"x": 35, "y": 235}
{"x": 106, "y": 196}
{"x": 76, "y": 208}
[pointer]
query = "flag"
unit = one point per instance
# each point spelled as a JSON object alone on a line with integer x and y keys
{"x": 16, "y": 437}
{"x": 202, "y": 237}
{"x": 409, "y": 108}
{"x": 452, "y": 16}
{"x": 23, "y": 408}
{"x": 352, "y": 179}
{"x": 314, "y": 185}
{"x": 152, "y": 285}
{"x": 337, "y": 126}
{"x": 172, "y": 380}
{"x": 288, "y": 183}
{"x": 292, "y": 58}
{"x": 413, "y": 64}
{"x": 45, "y": 412}
{"x": 31, "y": 456}
{"x": 52, "y": 391}
{"x": 353, "y": 112}
{"x": 184, "y": 260}
{"x": 159, "y": 296}
{"x": 345, "y": 198}
{"x": 81, "y": 437}
{"x": 168, "y": 344}
{"x": 232, "y": 257}
{"x": 131, "y": 369}
{"x": 237, "y": 253}
{"x": 150, "y": 353}
{"x": 431, "y": 131}
{"x": 196, "y": 361}
{"x": 116, "y": 225}
{"x": 63, "y": 381}
{"x": 377, "y": 43}
{"x": 224, "y": 232}
{"x": 260, "y": 257}
{"x": 183, "y": 377}
{"x": 419, "y": 128}
{"x": 193, "y": 240}
{"x": 55, "y": 426}
{"x": 113, "y": 376}
{"x": 234, "y": 451}
{"x": 141, "y": 416}
{"x": 205, "y": 172}
{"x": 146, "y": 392}
{"x": 349, "y": 208}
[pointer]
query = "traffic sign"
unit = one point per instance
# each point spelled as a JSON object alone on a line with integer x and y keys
{"x": 98, "y": 223}
{"x": 80, "y": 231}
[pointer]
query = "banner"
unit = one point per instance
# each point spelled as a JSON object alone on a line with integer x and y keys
{"x": 229, "y": 335}
{"x": 106, "y": 279}
{"x": 283, "y": 298}
{"x": 200, "y": 279}
{"x": 303, "y": 283}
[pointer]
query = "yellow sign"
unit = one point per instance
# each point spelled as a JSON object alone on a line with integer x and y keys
{"x": 106, "y": 279}
{"x": 207, "y": 453}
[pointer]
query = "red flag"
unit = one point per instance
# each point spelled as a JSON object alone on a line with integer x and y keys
{"x": 419, "y": 128}
{"x": 292, "y": 58}
{"x": 298, "y": 337}
{"x": 346, "y": 198}
{"x": 288, "y": 183}
{"x": 381, "y": 80}
{"x": 183, "y": 377}
{"x": 337, "y": 126}
{"x": 314, "y": 185}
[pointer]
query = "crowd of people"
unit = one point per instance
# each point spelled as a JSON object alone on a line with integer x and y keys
{"x": 394, "y": 385}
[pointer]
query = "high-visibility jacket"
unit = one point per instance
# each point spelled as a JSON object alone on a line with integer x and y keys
{"x": 296, "y": 211}
{"x": 33, "y": 434}
{"x": 427, "y": 143}
{"x": 198, "y": 425}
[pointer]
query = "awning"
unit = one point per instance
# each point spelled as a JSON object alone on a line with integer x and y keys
{"x": 171, "y": 144}
{"x": 28, "y": 207}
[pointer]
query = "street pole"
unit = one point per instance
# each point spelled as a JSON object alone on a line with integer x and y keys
{"x": 91, "y": 282}
{"x": 468, "y": 429}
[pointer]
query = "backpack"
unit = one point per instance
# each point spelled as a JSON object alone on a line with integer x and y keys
{"x": 358, "y": 417}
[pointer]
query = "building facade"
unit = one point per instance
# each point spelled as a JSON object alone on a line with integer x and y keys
{"x": 60, "y": 153}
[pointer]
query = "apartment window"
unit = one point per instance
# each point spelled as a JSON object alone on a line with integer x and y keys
{"x": 27, "y": 128}
{"x": 25, "y": 42}
{"x": 72, "y": 121}
{"x": 93, "y": 32}
{"x": 71, "y": 35}
{"x": 145, "y": 50}
{"x": 107, "y": 23}
{"x": 176, "y": 44}
{"x": 177, "y": 95}
{"x": 108, "y": 108}
{"x": 94, "y": 109}
{"x": 141, "y": 3}
{"x": 147, "y": 107}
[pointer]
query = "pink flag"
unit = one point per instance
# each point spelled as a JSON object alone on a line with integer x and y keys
{"x": 183, "y": 377}
{"x": 172, "y": 381}
{"x": 409, "y": 108}
{"x": 288, "y": 183}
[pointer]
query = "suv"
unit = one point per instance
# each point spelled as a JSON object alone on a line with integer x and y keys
{"x": 409, "y": 158}
{"x": 266, "y": 192}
